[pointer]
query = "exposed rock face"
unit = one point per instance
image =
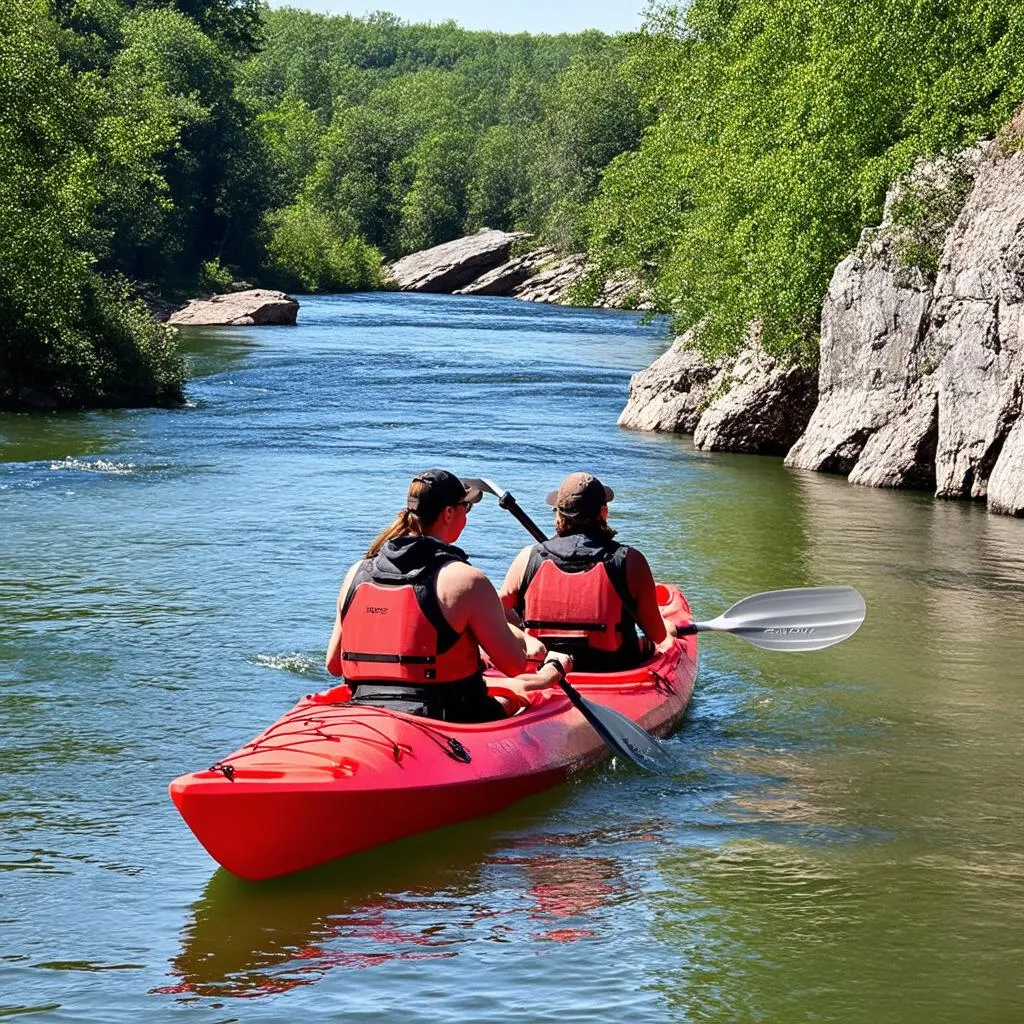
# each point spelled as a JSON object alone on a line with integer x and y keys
{"x": 506, "y": 278}
{"x": 551, "y": 283}
{"x": 977, "y": 324}
{"x": 1006, "y": 484}
{"x": 876, "y": 410}
{"x": 763, "y": 408}
{"x": 258, "y": 306}
{"x": 480, "y": 265}
{"x": 922, "y": 386}
{"x": 453, "y": 265}
{"x": 673, "y": 391}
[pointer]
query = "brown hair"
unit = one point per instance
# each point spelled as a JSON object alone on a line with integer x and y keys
{"x": 596, "y": 528}
{"x": 406, "y": 524}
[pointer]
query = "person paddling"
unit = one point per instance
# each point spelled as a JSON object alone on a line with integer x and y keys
{"x": 413, "y": 614}
{"x": 582, "y": 592}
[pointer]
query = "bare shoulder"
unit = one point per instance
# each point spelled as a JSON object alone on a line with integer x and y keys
{"x": 634, "y": 556}
{"x": 459, "y": 579}
{"x": 638, "y": 570}
{"x": 347, "y": 582}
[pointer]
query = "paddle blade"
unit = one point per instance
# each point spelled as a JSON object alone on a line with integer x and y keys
{"x": 622, "y": 734}
{"x": 801, "y": 619}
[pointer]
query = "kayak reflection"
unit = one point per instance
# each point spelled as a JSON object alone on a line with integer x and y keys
{"x": 403, "y": 901}
{"x": 418, "y": 899}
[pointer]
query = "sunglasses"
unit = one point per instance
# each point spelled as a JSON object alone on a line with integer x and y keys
{"x": 467, "y": 505}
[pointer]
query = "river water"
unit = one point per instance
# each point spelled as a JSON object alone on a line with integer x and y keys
{"x": 842, "y": 840}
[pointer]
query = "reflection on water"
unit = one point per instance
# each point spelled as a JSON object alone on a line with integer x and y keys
{"x": 418, "y": 899}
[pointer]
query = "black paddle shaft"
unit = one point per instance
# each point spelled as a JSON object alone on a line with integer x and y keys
{"x": 507, "y": 502}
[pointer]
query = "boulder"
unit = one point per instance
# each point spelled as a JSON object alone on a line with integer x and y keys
{"x": 762, "y": 406}
{"x": 551, "y": 283}
{"x": 674, "y": 390}
{"x": 504, "y": 279}
{"x": 237, "y": 309}
{"x": 875, "y": 417}
{"x": 452, "y": 265}
{"x": 977, "y": 326}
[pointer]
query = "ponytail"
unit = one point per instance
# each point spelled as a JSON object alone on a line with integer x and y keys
{"x": 407, "y": 523}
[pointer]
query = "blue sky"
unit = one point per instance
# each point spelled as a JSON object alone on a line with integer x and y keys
{"x": 516, "y": 16}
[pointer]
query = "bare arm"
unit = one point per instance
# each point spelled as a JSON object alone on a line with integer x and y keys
{"x": 469, "y": 601}
{"x": 509, "y": 592}
{"x": 645, "y": 598}
{"x": 333, "y": 660}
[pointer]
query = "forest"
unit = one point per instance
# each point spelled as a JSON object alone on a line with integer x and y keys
{"x": 726, "y": 156}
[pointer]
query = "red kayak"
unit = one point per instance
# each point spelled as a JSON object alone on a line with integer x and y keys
{"x": 329, "y": 778}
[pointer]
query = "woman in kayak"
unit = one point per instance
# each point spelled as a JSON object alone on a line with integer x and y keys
{"x": 414, "y": 613}
{"x": 582, "y": 592}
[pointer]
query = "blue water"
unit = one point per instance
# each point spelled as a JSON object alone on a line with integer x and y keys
{"x": 840, "y": 841}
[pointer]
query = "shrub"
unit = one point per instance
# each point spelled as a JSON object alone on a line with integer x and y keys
{"x": 311, "y": 252}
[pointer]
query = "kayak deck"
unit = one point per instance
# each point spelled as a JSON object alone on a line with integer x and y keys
{"x": 329, "y": 778}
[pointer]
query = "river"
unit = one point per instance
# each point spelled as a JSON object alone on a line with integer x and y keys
{"x": 842, "y": 841}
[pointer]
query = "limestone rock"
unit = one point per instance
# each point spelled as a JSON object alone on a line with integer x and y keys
{"x": 552, "y": 283}
{"x": 1006, "y": 484}
{"x": 763, "y": 408}
{"x": 623, "y": 293}
{"x": 453, "y": 265}
{"x": 258, "y": 306}
{"x": 673, "y": 391}
{"x": 504, "y": 279}
{"x": 977, "y": 325}
{"x": 875, "y": 413}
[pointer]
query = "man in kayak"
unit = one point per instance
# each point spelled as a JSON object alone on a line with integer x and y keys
{"x": 414, "y": 613}
{"x": 582, "y": 592}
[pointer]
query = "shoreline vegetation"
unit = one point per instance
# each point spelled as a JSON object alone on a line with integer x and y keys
{"x": 725, "y": 158}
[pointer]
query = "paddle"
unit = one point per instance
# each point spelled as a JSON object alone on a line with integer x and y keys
{"x": 506, "y": 501}
{"x": 798, "y": 619}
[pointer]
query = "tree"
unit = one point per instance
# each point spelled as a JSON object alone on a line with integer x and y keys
{"x": 69, "y": 338}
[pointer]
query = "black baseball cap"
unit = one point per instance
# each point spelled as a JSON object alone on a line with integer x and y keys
{"x": 580, "y": 494}
{"x": 443, "y": 489}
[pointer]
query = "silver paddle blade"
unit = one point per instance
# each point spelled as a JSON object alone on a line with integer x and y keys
{"x": 485, "y": 485}
{"x": 801, "y": 619}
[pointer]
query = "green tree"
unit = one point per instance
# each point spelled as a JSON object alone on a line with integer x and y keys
{"x": 316, "y": 252}
{"x": 70, "y": 338}
{"x": 779, "y": 125}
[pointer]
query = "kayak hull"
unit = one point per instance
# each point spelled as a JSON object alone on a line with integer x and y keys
{"x": 328, "y": 778}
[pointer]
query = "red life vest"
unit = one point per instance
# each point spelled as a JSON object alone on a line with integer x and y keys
{"x": 575, "y": 589}
{"x": 392, "y": 626}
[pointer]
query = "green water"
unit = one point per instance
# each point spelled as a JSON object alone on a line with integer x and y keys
{"x": 841, "y": 841}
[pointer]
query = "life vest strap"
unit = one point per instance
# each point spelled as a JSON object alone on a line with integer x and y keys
{"x": 590, "y": 627}
{"x": 391, "y": 659}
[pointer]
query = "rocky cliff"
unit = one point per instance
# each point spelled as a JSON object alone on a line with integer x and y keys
{"x": 921, "y": 367}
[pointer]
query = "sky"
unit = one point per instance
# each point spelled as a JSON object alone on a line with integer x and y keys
{"x": 512, "y": 16}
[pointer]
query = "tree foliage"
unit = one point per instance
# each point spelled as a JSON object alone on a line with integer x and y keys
{"x": 727, "y": 156}
{"x": 70, "y": 337}
{"x": 779, "y": 125}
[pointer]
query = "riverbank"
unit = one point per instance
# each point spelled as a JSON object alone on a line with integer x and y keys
{"x": 489, "y": 263}
{"x": 921, "y": 361}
